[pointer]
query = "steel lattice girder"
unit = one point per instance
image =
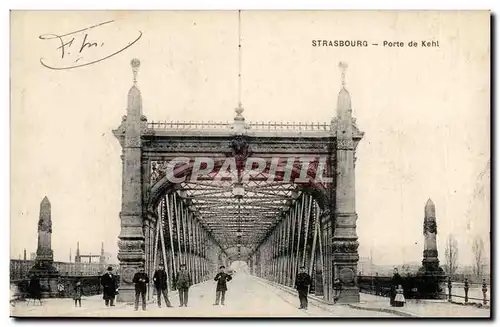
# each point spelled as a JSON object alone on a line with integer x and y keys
{"x": 256, "y": 213}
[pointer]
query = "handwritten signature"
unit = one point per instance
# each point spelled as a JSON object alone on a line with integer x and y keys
{"x": 79, "y": 44}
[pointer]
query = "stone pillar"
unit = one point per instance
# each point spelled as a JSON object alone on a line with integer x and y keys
{"x": 345, "y": 244}
{"x": 44, "y": 268}
{"x": 431, "y": 275}
{"x": 44, "y": 249}
{"x": 131, "y": 239}
{"x": 430, "y": 260}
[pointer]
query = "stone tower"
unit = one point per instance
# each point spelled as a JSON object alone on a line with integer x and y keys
{"x": 44, "y": 268}
{"x": 345, "y": 244}
{"x": 430, "y": 261}
{"x": 44, "y": 250}
{"x": 131, "y": 252}
{"x": 431, "y": 275}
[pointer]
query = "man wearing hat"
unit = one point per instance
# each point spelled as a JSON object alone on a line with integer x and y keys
{"x": 221, "y": 278}
{"x": 183, "y": 282}
{"x": 302, "y": 282}
{"x": 110, "y": 287}
{"x": 160, "y": 281}
{"x": 141, "y": 281}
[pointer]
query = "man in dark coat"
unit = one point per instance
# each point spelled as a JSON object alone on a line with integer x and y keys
{"x": 160, "y": 281}
{"x": 108, "y": 282}
{"x": 302, "y": 282}
{"x": 221, "y": 278}
{"x": 183, "y": 282}
{"x": 141, "y": 281}
{"x": 35, "y": 289}
{"x": 396, "y": 280}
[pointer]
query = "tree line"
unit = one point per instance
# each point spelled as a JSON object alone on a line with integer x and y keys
{"x": 451, "y": 257}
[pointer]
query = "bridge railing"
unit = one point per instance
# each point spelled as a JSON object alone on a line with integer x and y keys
{"x": 188, "y": 125}
{"x": 462, "y": 292}
{"x": 291, "y": 126}
{"x": 477, "y": 292}
{"x": 91, "y": 285}
{"x": 19, "y": 269}
{"x": 260, "y": 126}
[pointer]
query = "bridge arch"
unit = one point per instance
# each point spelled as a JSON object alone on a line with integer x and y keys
{"x": 284, "y": 215}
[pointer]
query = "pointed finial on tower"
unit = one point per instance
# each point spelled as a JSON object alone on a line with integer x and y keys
{"x": 344, "y": 98}
{"x": 45, "y": 201}
{"x": 135, "y": 63}
{"x": 134, "y": 107}
{"x": 430, "y": 209}
{"x": 343, "y": 68}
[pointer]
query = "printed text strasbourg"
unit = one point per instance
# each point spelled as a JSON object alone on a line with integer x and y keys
{"x": 339, "y": 43}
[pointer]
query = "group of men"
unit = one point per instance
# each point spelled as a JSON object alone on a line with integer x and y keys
{"x": 182, "y": 282}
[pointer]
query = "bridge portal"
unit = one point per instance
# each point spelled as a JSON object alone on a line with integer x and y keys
{"x": 275, "y": 195}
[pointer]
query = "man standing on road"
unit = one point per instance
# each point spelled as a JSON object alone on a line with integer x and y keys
{"x": 183, "y": 282}
{"x": 109, "y": 284}
{"x": 221, "y": 278}
{"x": 160, "y": 281}
{"x": 141, "y": 281}
{"x": 302, "y": 282}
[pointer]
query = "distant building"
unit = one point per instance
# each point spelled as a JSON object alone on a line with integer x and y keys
{"x": 365, "y": 266}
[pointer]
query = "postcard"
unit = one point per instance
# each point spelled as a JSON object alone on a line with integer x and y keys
{"x": 247, "y": 163}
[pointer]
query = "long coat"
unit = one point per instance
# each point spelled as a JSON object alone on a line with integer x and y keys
{"x": 160, "y": 279}
{"x": 108, "y": 282}
{"x": 35, "y": 289}
{"x": 222, "y": 279}
{"x": 302, "y": 282}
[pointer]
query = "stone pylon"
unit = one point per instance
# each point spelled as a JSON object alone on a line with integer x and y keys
{"x": 430, "y": 260}
{"x": 44, "y": 249}
{"x": 345, "y": 240}
{"x": 131, "y": 244}
{"x": 44, "y": 268}
{"x": 431, "y": 275}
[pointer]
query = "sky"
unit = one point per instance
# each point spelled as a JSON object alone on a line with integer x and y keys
{"x": 425, "y": 112}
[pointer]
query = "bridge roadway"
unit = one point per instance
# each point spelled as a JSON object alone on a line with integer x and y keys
{"x": 247, "y": 296}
